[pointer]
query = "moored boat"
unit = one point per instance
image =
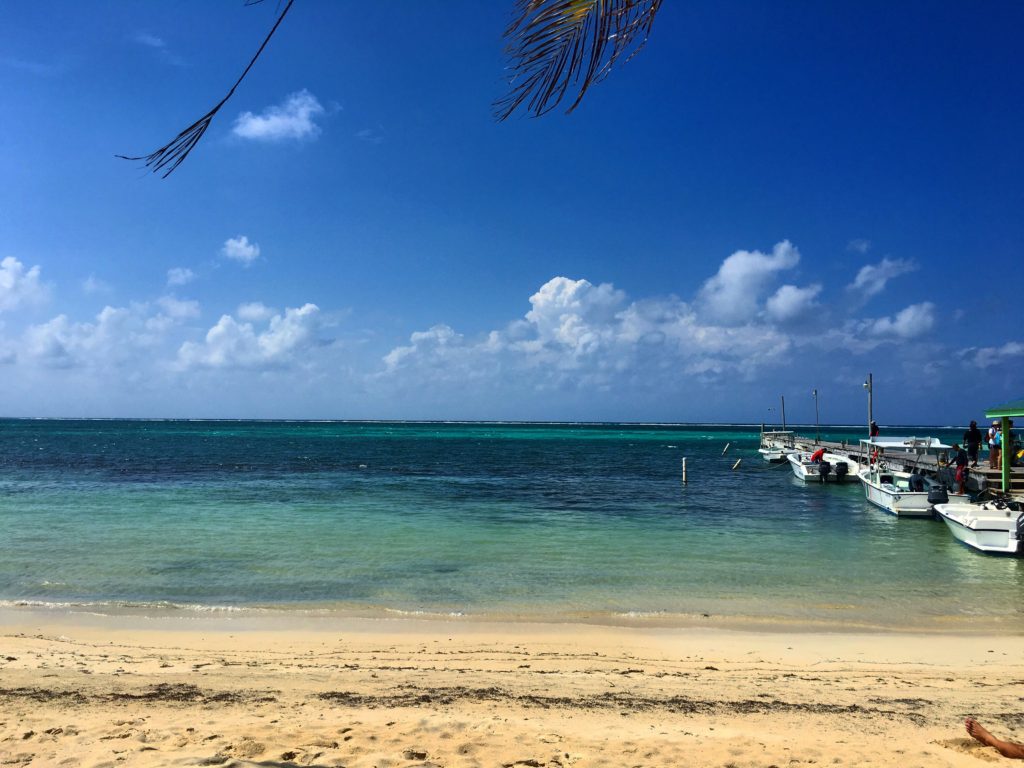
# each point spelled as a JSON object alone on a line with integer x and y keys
{"x": 775, "y": 445}
{"x": 993, "y": 527}
{"x": 901, "y": 493}
{"x": 830, "y": 467}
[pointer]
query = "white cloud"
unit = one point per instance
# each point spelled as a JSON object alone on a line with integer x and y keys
{"x": 986, "y": 357}
{"x": 93, "y": 284}
{"x": 19, "y": 286}
{"x": 871, "y": 279}
{"x": 291, "y": 120}
{"x": 181, "y": 275}
{"x": 371, "y": 135}
{"x": 149, "y": 40}
{"x": 433, "y": 342}
{"x": 913, "y": 321}
{"x": 255, "y": 312}
{"x": 581, "y": 335}
{"x": 179, "y": 309}
{"x": 158, "y": 45}
{"x": 791, "y": 303}
{"x": 116, "y": 337}
{"x": 231, "y": 344}
{"x": 732, "y": 296}
{"x": 573, "y": 313}
{"x": 241, "y": 250}
{"x": 859, "y": 245}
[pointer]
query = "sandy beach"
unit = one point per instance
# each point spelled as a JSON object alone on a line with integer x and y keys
{"x": 97, "y": 691}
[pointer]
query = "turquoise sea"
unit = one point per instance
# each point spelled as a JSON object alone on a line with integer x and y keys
{"x": 521, "y": 521}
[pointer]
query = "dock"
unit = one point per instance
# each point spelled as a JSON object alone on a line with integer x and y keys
{"x": 980, "y": 477}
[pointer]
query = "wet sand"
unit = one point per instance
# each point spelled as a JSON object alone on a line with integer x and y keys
{"x": 107, "y": 691}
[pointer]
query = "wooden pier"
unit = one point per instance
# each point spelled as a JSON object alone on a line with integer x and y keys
{"x": 907, "y": 460}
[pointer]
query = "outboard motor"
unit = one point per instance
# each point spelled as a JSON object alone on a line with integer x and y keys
{"x": 1020, "y": 531}
{"x": 938, "y": 495}
{"x": 841, "y": 469}
{"x": 824, "y": 470}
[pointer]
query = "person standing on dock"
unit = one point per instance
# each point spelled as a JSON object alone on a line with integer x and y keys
{"x": 873, "y": 432}
{"x": 993, "y": 445}
{"x": 960, "y": 462}
{"x": 972, "y": 441}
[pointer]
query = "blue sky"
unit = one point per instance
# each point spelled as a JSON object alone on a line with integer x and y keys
{"x": 769, "y": 198}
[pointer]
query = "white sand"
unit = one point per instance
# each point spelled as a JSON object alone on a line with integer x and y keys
{"x": 103, "y": 691}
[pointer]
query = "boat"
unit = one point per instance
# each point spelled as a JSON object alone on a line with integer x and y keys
{"x": 775, "y": 445}
{"x": 995, "y": 527}
{"x": 901, "y": 493}
{"x": 832, "y": 467}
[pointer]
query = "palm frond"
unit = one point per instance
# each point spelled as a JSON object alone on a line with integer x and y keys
{"x": 557, "y": 45}
{"x": 172, "y": 154}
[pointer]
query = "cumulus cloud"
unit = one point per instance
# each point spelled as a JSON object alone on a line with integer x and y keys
{"x": 115, "y": 337}
{"x": 255, "y": 312}
{"x": 433, "y": 343}
{"x": 19, "y": 286}
{"x": 181, "y": 275}
{"x": 909, "y": 323}
{"x": 986, "y": 357}
{"x": 733, "y": 295}
{"x": 179, "y": 309}
{"x": 291, "y": 120}
{"x": 234, "y": 344}
{"x": 573, "y": 313}
{"x": 577, "y": 334}
{"x": 93, "y": 284}
{"x": 792, "y": 303}
{"x": 872, "y": 279}
{"x": 241, "y": 250}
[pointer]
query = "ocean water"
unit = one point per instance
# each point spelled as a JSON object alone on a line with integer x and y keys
{"x": 507, "y": 521}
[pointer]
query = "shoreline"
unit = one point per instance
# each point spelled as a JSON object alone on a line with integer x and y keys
{"x": 322, "y": 618}
{"x": 417, "y": 692}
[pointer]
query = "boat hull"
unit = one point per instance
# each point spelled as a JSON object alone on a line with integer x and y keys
{"x": 772, "y": 455}
{"x": 810, "y": 472}
{"x": 990, "y": 528}
{"x": 900, "y": 501}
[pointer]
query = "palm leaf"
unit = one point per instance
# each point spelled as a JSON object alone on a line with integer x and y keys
{"x": 172, "y": 154}
{"x": 555, "y": 46}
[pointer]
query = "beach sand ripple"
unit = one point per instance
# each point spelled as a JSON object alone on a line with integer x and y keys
{"x": 436, "y": 695}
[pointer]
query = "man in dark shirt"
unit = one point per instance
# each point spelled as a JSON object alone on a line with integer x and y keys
{"x": 972, "y": 439}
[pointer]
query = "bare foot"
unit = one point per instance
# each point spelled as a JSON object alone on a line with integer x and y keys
{"x": 975, "y": 729}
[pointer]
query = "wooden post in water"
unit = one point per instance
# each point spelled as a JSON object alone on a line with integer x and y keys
{"x": 684, "y": 470}
{"x": 726, "y": 449}
{"x": 734, "y": 466}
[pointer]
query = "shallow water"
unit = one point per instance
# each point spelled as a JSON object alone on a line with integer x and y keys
{"x": 481, "y": 520}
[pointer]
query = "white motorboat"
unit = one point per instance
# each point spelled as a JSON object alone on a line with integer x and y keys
{"x": 775, "y": 445}
{"x": 831, "y": 468}
{"x": 901, "y": 493}
{"x": 995, "y": 527}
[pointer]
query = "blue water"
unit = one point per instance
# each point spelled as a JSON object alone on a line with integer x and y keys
{"x": 578, "y": 522}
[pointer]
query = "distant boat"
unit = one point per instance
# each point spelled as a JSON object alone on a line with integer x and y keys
{"x": 831, "y": 468}
{"x": 905, "y": 494}
{"x": 994, "y": 527}
{"x": 775, "y": 445}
